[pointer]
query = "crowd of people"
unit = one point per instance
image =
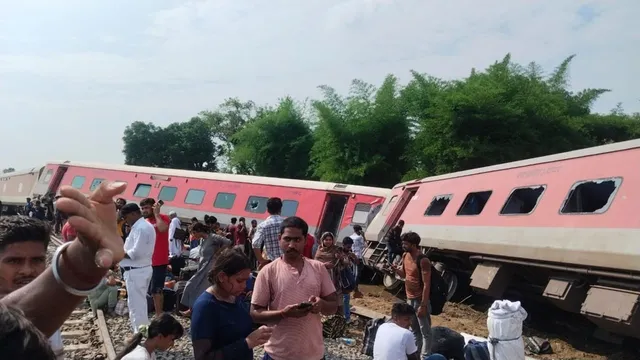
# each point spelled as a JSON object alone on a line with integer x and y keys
{"x": 298, "y": 280}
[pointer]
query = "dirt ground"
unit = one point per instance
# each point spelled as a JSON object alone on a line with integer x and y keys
{"x": 569, "y": 341}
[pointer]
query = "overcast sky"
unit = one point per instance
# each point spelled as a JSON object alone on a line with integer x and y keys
{"x": 75, "y": 73}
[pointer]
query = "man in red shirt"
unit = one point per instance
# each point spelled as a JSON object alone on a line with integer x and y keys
{"x": 308, "y": 246}
{"x": 68, "y": 233}
{"x": 160, "y": 259}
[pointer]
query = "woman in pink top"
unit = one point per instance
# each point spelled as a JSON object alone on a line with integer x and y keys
{"x": 291, "y": 292}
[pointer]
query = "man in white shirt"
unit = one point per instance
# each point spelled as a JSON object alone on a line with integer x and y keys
{"x": 175, "y": 245}
{"x": 394, "y": 340}
{"x": 136, "y": 265}
{"x": 358, "y": 249}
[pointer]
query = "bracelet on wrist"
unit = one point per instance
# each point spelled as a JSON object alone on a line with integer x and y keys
{"x": 56, "y": 274}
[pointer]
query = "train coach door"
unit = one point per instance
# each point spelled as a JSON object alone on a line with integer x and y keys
{"x": 398, "y": 210}
{"x": 54, "y": 184}
{"x": 332, "y": 212}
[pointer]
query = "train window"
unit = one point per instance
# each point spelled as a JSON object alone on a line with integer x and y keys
{"x": 194, "y": 197}
{"x": 78, "y": 182}
{"x": 438, "y": 205}
{"x": 474, "y": 203}
{"x": 256, "y": 204}
{"x": 47, "y": 176}
{"x": 523, "y": 200}
{"x": 95, "y": 183}
{"x": 289, "y": 208}
{"x": 361, "y": 213}
{"x": 167, "y": 193}
{"x": 224, "y": 200}
{"x": 390, "y": 205}
{"x": 591, "y": 196}
{"x": 142, "y": 190}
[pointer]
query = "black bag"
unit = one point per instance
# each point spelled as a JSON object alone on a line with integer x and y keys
{"x": 447, "y": 342}
{"x": 370, "y": 331}
{"x": 179, "y": 287}
{"x": 439, "y": 290}
{"x": 180, "y": 234}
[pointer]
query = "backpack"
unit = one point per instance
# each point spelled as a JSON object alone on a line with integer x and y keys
{"x": 439, "y": 291}
{"x": 370, "y": 331}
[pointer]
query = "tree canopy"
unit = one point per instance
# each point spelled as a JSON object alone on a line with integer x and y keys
{"x": 8, "y": 170}
{"x": 379, "y": 136}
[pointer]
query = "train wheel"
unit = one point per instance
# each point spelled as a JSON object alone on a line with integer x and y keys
{"x": 451, "y": 279}
{"x": 391, "y": 283}
{"x": 458, "y": 285}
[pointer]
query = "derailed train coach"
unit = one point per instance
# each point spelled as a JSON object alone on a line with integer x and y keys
{"x": 17, "y": 186}
{"x": 563, "y": 228}
{"x": 326, "y": 206}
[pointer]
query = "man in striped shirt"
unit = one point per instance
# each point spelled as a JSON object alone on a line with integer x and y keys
{"x": 268, "y": 233}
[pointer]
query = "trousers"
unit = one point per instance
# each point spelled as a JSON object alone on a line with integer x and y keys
{"x": 137, "y": 282}
{"x": 107, "y": 297}
{"x": 421, "y": 328}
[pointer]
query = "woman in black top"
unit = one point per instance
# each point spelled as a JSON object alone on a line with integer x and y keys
{"x": 221, "y": 327}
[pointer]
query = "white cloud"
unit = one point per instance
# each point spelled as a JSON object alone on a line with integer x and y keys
{"x": 164, "y": 60}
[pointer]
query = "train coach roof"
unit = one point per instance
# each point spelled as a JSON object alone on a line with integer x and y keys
{"x": 307, "y": 184}
{"x": 596, "y": 150}
{"x": 34, "y": 170}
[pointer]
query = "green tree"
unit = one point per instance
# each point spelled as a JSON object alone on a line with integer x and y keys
{"x": 363, "y": 138}
{"x": 144, "y": 145}
{"x": 8, "y": 170}
{"x": 187, "y": 145}
{"x": 225, "y": 121}
{"x": 276, "y": 143}
{"x": 505, "y": 113}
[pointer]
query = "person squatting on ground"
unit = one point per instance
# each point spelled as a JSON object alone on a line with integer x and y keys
{"x": 105, "y": 296}
{"x": 416, "y": 270}
{"x": 161, "y": 333}
{"x": 136, "y": 265}
{"x": 393, "y": 339}
{"x": 160, "y": 259}
{"x": 221, "y": 327}
{"x": 290, "y": 293}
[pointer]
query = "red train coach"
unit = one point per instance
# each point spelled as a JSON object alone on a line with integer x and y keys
{"x": 563, "y": 228}
{"x": 325, "y": 206}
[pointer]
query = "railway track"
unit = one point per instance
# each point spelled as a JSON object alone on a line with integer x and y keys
{"x": 83, "y": 336}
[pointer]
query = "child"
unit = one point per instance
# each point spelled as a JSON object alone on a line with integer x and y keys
{"x": 160, "y": 335}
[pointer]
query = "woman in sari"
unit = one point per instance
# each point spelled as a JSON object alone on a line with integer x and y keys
{"x": 334, "y": 259}
{"x": 209, "y": 247}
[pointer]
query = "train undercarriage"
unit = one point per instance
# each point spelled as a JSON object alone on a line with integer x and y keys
{"x": 609, "y": 299}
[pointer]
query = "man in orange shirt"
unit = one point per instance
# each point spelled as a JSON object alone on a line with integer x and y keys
{"x": 160, "y": 260}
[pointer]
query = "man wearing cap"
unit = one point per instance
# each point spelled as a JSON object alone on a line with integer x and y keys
{"x": 136, "y": 265}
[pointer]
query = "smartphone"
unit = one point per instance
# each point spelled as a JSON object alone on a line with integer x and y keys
{"x": 304, "y": 305}
{"x": 160, "y": 202}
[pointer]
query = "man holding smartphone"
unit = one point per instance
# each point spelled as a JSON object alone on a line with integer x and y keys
{"x": 160, "y": 260}
{"x": 292, "y": 291}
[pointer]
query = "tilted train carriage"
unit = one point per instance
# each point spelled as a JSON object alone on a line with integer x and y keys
{"x": 563, "y": 227}
{"x": 325, "y": 206}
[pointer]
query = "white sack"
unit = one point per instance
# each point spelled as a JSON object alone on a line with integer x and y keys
{"x": 505, "y": 330}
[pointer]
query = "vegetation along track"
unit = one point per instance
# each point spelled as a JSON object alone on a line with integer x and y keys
{"x": 83, "y": 336}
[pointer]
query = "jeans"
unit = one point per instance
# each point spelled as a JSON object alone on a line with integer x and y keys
{"x": 346, "y": 300}
{"x": 421, "y": 328}
{"x": 434, "y": 357}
